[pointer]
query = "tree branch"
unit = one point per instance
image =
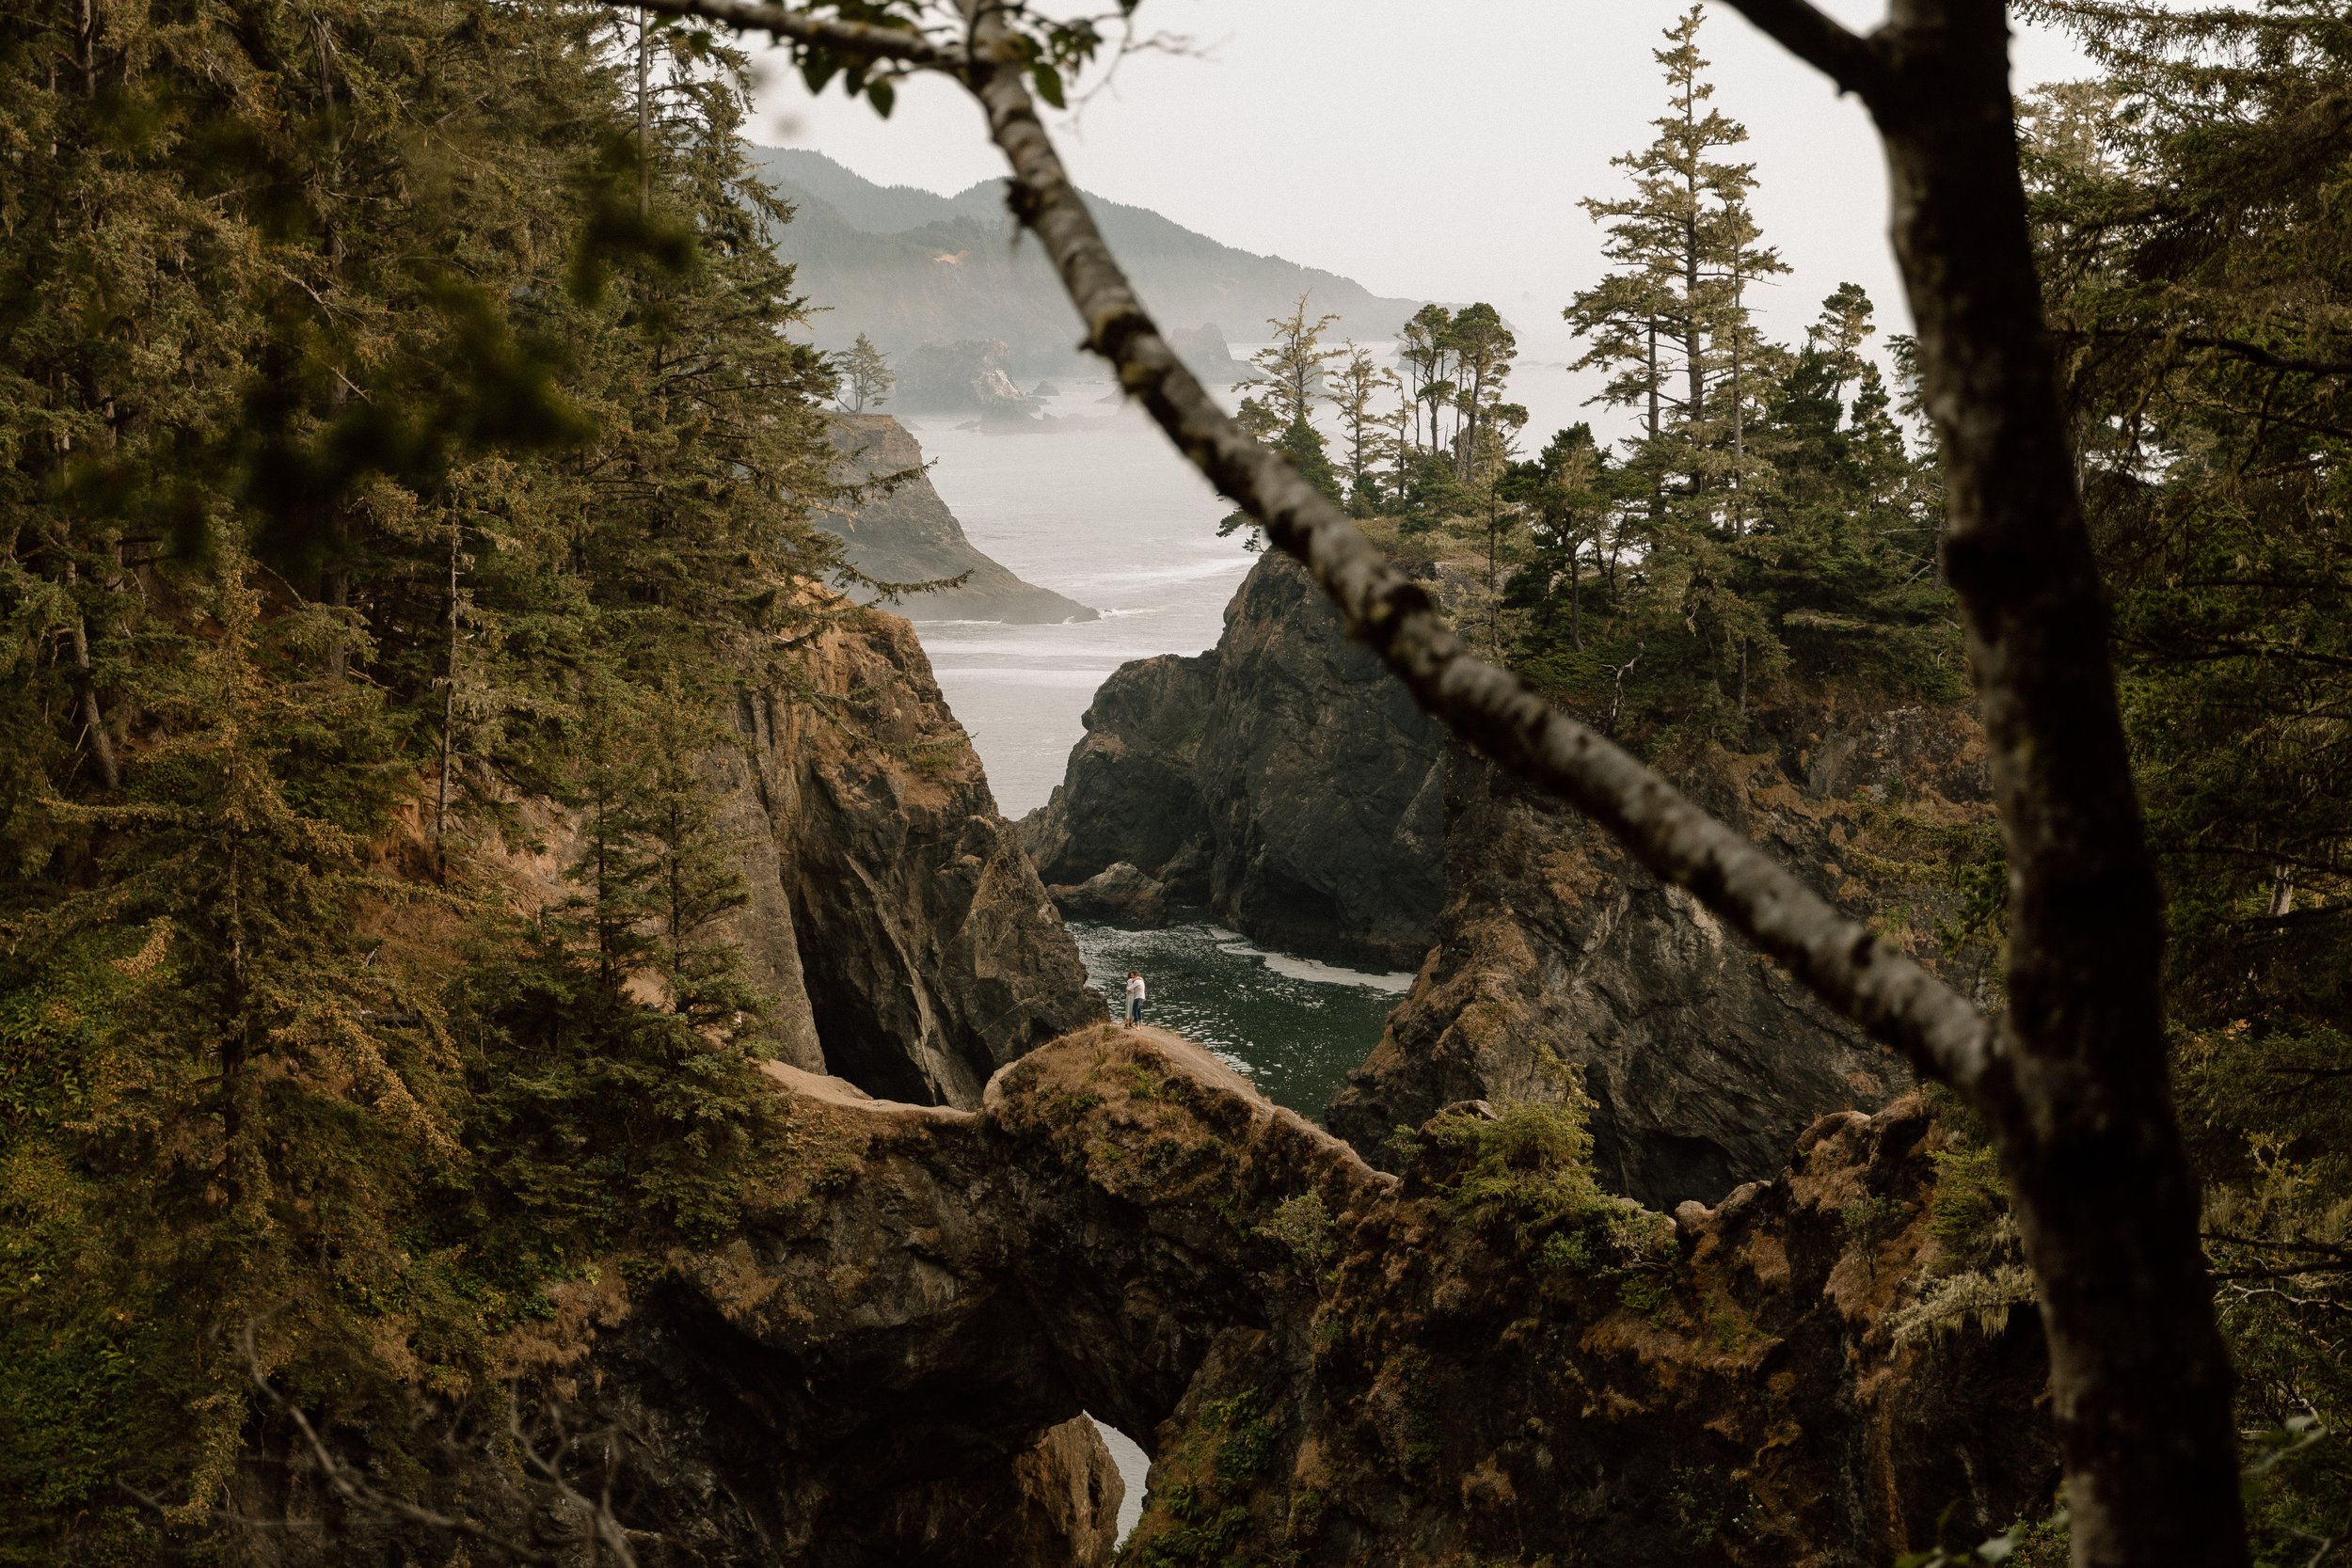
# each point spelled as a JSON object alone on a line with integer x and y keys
{"x": 788, "y": 25}
{"x": 1847, "y": 963}
{"x": 2254, "y": 353}
{"x": 1846, "y": 57}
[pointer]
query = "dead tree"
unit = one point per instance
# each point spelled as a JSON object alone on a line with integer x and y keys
{"x": 2072, "y": 1078}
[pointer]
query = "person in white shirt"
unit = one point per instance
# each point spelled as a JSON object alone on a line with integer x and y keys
{"x": 1135, "y": 997}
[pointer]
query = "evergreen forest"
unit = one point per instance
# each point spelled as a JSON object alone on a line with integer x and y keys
{"x": 416, "y": 457}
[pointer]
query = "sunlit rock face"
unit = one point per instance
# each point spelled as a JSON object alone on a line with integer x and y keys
{"x": 1561, "y": 962}
{"x": 1283, "y": 778}
{"x": 1328, "y": 1364}
{"x": 893, "y": 915}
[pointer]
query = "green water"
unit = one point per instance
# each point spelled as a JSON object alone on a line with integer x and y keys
{"x": 1295, "y": 1026}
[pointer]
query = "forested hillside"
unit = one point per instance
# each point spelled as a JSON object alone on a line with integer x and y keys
{"x": 402, "y": 431}
{"x": 910, "y": 267}
{"x": 422, "y": 1140}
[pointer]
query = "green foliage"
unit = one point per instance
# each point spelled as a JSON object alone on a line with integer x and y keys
{"x": 2041, "y": 1544}
{"x": 2191, "y": 213}
{"x": 1204, "y": 1521}
{"x": 1767, "y": 533}
{"x": 1530, "y": 1165}
{"x": 1968, "y": 1209}
{"x": 395, "y": 441}
{"x": 1303, "y": 1225}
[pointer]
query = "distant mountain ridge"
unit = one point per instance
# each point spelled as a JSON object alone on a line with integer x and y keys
{"x": 908, "y": 266}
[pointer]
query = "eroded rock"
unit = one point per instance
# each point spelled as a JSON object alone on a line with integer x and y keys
{"x": 1328, "y": 1364}
{"x": 1284, "y": 776}
{"x": 1557, "y": 951}
{"x": 1120, "y": 896}
{"x": 893, "y": 911}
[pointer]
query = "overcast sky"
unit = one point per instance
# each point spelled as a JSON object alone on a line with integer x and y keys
{"x": 1428, "y": 151}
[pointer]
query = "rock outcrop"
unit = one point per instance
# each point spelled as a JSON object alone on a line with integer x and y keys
{"x": 1557, "y": 951}
{"x": 969, "y": 376}
{"x": 1327, "y": 1364}
{"x": 1208, "y": 356}
{"x": 904, "y": 533}
{"x": 893, "y": 913}
{"x": 1284, "y": 778}
{"x": 1122, "y": 895}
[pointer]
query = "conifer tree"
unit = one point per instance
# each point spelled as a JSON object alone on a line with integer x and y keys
{"x": 866, "y": 377}
{"x": 1671, "y": 325}
{"x": 381, "y": 422}
{"x": 1483, "y": 350}
{"x": 1354, "y": 390}
{"x": 1425, "y": 351}
{"x": 1670, "y": 322}
{"x": 2189, "y": 211}
{"x": 1292, "y": 374}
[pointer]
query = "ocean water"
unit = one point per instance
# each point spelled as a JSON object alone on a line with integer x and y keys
{"x": 1103, "y": 510}
{"x": 1098, "y": 506}
{"x": 1295, "y": 1026}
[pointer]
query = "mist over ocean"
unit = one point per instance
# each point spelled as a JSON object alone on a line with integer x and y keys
{"x": 1098, "y": 506}
{"x": 1103, "y": 511}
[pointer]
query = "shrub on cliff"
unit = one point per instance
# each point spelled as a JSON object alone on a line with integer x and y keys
{"x": 1529, "y": 1163}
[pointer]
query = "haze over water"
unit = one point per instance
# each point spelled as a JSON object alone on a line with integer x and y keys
{"x": 1106, "y": 513}
{"x": 1098, "y": 506}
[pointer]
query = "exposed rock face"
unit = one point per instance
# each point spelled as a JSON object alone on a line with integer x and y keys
{"x": 1120, "y": 896}
{"x": 1703, "y": 1060}
{"x": 1284, "y": 776}
{"x": 1327, "y": 1364}
{"x": 893, "y": 914}
{"x": 907, "y": 534}
{"x": 965, "y": 378}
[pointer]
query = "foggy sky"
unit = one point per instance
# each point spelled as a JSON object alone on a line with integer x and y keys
{"x": 1433, "y": 150}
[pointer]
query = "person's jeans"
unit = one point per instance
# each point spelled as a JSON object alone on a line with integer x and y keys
{"x": 1135, "y": 1009}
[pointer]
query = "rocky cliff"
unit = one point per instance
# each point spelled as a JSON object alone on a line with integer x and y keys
{"x": 892, "y": 916}
{"x": 1557, "y": 951}
{"x": 1283, "y": 778}
{"x": 904, "y": 533}
{"x": 1327, "y": 1364}
{"x": 893, "y": 911}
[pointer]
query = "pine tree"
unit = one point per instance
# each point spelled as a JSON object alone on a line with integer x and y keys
{"x": 1292, "y": 372}
{"x": 2189, "y": 207}
{"x": 1671, "y": 326}
{"x": 1483, "y": 350}
{"x": 382, "y": 419}
{"x": 1426, "y": 352}
{"x": 866, "y": 377}
{"x": 1354, "y": 390}
{"x": 1670, "y": 323}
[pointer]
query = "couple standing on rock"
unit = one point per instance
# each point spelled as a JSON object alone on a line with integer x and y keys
{"x": 1135, "y": 997}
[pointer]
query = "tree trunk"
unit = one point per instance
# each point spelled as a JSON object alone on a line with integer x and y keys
{"x": 2072, "y": 1087}
{"x": 2105, "y": 1200}
{"x": 644, "y": 113}
{"x": 1653, "y": 378}
{"x": 449, "y": 717}
{"x": 93, "y": 720}
{"x": 1576, "y": 585}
